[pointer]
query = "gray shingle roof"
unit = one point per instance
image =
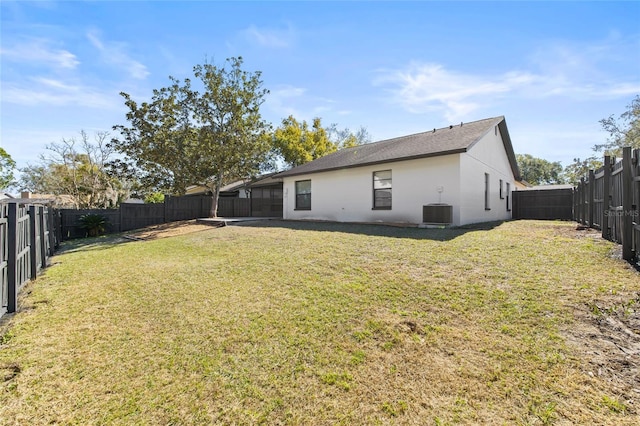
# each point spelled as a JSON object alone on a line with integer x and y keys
{"x": 448, "y": 140}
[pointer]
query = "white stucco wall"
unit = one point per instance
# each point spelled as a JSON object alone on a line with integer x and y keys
{"x": 347, "y": 195}
{"x": 486, "y": 156}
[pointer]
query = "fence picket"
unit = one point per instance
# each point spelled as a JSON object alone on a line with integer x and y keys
{"x": 609, "y": 200}
{"x": 25, "y": 247}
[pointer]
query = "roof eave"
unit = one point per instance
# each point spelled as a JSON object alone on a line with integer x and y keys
{"x": 286, "y": 174}
{"x": 508, "y": 147}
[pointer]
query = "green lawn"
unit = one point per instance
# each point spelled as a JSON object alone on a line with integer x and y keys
{"x": 301, "y": 323}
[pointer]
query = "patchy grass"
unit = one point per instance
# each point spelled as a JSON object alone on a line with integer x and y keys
{"x": 302, "y": 323}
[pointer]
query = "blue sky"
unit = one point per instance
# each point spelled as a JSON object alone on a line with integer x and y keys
{"x": 553, "y": 69}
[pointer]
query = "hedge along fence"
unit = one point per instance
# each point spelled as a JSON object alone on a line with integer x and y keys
{"x": 609, "y": 199}
{"x": 29, "y": 234}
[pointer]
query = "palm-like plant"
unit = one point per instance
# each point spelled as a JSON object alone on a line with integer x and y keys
{"x": 94, "y": 224}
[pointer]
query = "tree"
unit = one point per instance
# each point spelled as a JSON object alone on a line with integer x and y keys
{"x": 538, "y": 171}
{"x": 580, "y": 168}
{"x": 76, "y": 169}
{"x": 7, "y": 166}
{"x": 344, "y": 138}
{"x": 625, "y": 131}
{"x": 154, "y": 198}
{"x": 296, "y": 143}
{"x": 183, "y": 137}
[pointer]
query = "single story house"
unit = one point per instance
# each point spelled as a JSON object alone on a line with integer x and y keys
{"x": 455, "y": 175}
{"x": 262, "y": 196}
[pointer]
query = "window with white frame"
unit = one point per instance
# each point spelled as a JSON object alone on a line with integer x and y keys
{"x": 382, "y": 190}
{"x": 303, "y": 195}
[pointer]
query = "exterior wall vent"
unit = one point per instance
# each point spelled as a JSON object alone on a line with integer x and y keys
{"x": 440, "y": 214}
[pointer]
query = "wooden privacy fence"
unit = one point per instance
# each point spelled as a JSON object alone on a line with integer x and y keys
{"x": 547, "y": 204}
{"x": 28, "y": 237}
{"x": 135, "y": 216}
{"x": 608, "y": 199}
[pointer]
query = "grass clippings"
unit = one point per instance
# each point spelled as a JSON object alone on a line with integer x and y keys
{"x": 302, "y": 323}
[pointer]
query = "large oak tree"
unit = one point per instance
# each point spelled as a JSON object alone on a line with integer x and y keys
{"x": 210, "y": 137}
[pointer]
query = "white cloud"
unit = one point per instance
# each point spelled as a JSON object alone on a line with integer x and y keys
{"x": 565, "y": 70}
{"x": 115, "y": 54}
{"x": 430, "y": 87}
{"x": 281, "y": 99}
{"x": 40, "y": 51}
{"x": 270, "y": 37}
{"x": 286, "y": 100}
{"x": 46, "y": 91}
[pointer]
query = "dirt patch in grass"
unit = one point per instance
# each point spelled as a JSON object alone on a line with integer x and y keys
{"x": 606, "y": 334}
{"x": 166, "y": 230}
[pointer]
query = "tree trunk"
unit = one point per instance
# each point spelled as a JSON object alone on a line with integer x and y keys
{"x": 215, "y": 191}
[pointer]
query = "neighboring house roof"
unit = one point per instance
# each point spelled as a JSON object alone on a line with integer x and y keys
{"x": 554, "y": 186}
{"x": 268, "y": 179}
{"x": 201, "y": 189}
{"x": 58, "y": 201}
{"x": 262, "y": 180}
{"x": 437, "y": 142}
{"x": 27, "y": 200}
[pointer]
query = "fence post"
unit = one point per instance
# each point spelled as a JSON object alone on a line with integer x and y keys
{"x": 606, "y": 193}
{"x": 592, "y": 196}
{"x": 33, "y": 249}
{"x": 52, "y": 240}
{"x": 43, "y": 241}
{"x": 64, "y": 229}
{"x": 58, "y": 225}
{"x": 166, "y": 207}
{"x": 12, "y": 261}
{"x": 627, "y": 201}
{"x": 583, "y": 215}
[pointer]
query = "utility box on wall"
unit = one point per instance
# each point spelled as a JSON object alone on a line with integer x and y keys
{"x": 440, "y": 214}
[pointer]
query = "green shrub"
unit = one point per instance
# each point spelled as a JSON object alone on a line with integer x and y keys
{"x": 154, "y": 198}
{"x": 94, "y": 224}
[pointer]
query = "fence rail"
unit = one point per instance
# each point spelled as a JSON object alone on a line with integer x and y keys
{"x": 135, "y": 216}
{"x": 608, "y": 199}
{"x": 547, "y": 204}
{"x": 28, "y": 238}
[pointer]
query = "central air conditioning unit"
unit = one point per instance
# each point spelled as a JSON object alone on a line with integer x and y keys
{"x": 437, "y": 214}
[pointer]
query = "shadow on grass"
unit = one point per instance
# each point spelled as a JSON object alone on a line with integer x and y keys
{"x": 106, "y": 241}
{"x": 377, "y": 230}
{"x": 85, "y": 244}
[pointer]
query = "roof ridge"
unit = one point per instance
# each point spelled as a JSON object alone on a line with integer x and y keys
{"x": 500, "y": 117}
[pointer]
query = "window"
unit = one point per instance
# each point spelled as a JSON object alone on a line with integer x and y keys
{"x": 486, "y": 192}
{"x": 382, "y": 190}
{"x": 508, "y": 195}
{"x": 501, "y": 193}
{"x": 303, "y": 195}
